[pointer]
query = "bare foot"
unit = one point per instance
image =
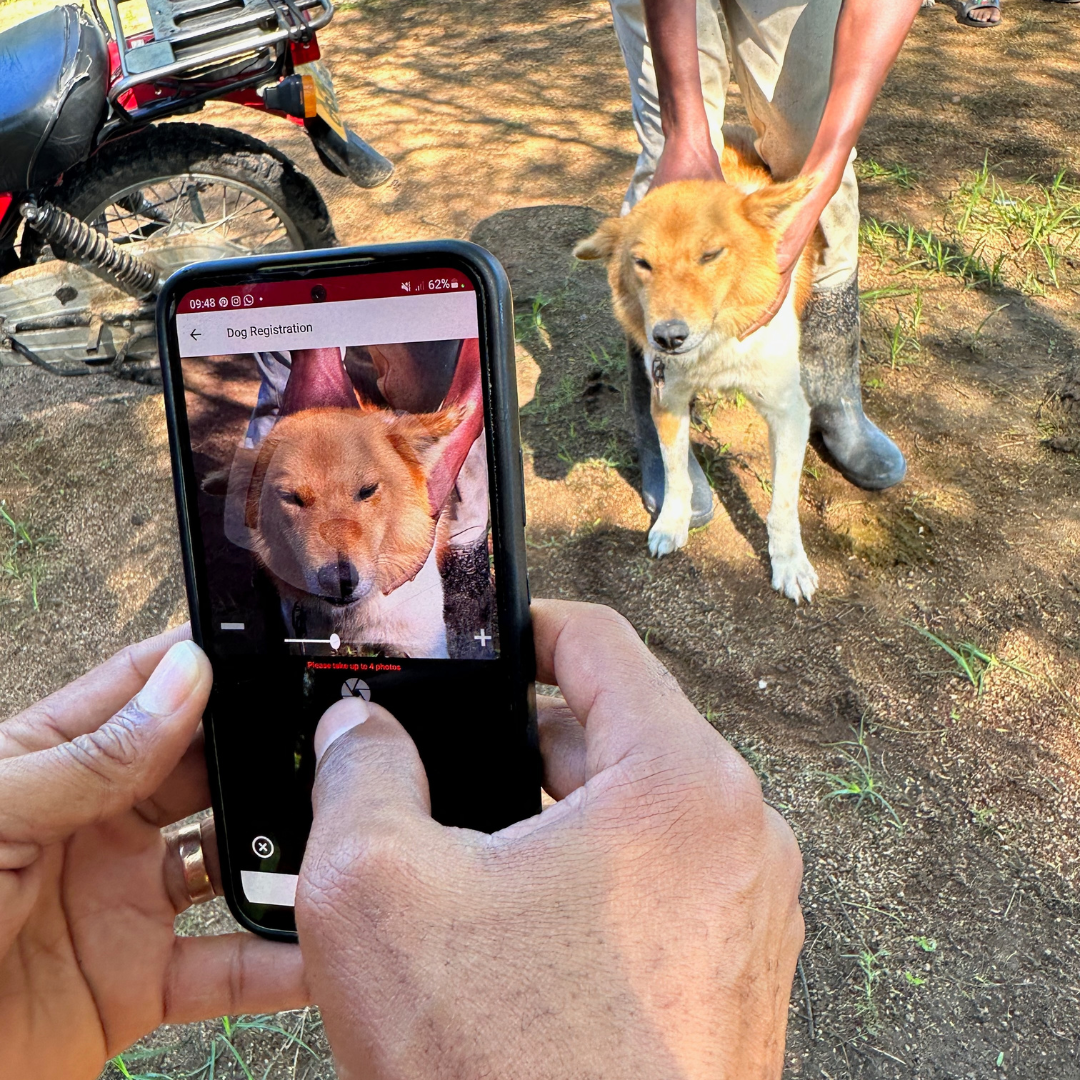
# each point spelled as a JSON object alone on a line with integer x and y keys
{"x": 986, "y": 12}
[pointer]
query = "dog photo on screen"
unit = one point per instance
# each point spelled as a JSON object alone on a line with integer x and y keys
{"x": 347, "y": 490}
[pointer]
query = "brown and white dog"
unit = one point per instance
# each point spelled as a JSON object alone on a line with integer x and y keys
{"x": 339, "y": 514}
{"x": 692, "y": 267}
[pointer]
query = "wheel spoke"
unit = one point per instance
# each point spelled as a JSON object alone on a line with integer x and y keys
{"x": 196, "y": 204}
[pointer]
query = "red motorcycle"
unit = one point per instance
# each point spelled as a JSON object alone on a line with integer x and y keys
{"x": 99, "y": 203}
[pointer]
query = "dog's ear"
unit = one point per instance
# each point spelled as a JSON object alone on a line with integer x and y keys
{"x": 258, "y": 476}
{"x": 419, "y": 431}
{"x": 601, "y": 245}
{"x": 775, "y": 205}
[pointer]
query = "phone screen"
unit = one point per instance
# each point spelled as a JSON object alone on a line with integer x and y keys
{"x": 340, "y": 522}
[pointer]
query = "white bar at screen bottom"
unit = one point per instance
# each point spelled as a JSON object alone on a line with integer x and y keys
{"x": 276, "y": 889}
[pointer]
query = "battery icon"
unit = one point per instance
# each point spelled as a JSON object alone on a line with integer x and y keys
{"x": 453, "y": 284}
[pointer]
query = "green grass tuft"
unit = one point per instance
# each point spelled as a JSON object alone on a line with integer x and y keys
{"x": 869, "y": 964}
{"x": 229, "y": 1053}
{"x": 869, "y": 169}
{"x": 857, "y": 783}
{"x": 23, "y": 556}
{"x": 530, "y": 323}
{"x": 1025, "y": 236}
{"x": 974, "y": 663}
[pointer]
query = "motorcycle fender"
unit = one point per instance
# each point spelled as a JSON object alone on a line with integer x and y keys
{"x": 7, "y": 225}
{"x": 340, "y": 149}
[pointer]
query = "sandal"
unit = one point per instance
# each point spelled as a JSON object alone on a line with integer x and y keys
{"x": 968, "y": 6}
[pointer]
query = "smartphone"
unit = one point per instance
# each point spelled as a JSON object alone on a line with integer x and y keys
{"x": 348, "y": 473}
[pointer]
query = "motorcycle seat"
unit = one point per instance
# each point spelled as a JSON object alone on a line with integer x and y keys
{"x": 54, "y": 72}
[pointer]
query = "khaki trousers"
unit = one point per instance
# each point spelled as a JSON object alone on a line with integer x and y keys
{"x": 782, "y": 54}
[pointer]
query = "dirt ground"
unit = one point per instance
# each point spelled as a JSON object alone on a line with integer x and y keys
{"x": 936, "y": 816}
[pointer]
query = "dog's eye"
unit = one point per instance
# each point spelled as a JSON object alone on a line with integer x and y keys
{"x": 366, "y": 492}
{"x": 641, "y": 264}
{"x": 709, "y": 256}
{"x": 294, "y": 498}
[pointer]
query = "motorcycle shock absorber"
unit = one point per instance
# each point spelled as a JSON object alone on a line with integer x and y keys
{"x": 81, "y": 242}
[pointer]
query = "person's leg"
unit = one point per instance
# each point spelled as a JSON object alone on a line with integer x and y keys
{"x": 274, "y": 369}
{"x": 783, "y": 56}
{"x": 468, "y": 589}
{"x": 629, "y": 17}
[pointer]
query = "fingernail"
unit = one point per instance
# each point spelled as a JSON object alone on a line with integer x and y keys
{"x": 342, "y": 716}
{"x": 173, "y": 681}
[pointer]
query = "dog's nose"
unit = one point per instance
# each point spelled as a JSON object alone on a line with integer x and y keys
{"x": 670, "y": 334}
{"x": 338, "y": 579}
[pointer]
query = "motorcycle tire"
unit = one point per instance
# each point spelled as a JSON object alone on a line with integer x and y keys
{"x": 158, "y": 153}
{"x": 187, "y": 169}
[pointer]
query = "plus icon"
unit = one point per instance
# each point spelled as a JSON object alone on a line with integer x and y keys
{"x": 483, "y": 637}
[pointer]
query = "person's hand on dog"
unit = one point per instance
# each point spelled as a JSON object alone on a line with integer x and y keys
{"x": 792, "y": 243}
{"x": 864, "y": 49}
{"x": 89, "y": 886}
{"x": 647, "y": 925}
{"x": 688, "y": 152}
{"x": 687, "y": 157}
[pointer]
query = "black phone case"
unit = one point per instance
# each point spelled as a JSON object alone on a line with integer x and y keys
{"x": 496, "y": 328}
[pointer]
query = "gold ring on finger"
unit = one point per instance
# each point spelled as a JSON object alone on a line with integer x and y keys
{"x": 189, "y": 846}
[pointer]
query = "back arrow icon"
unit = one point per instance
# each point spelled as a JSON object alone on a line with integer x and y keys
{"x": 196, "y": 334}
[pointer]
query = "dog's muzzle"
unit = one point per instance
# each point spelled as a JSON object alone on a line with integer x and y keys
{"x": 673, "y": 338}
{"x": 670, "y": 335}
{"x": 339, "y": 582}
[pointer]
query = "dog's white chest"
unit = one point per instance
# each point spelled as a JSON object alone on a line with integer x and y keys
{"x": 763, "y": 366}
{"x": 411, "y": 617}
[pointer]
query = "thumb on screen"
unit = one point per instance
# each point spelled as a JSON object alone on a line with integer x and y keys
{"x": 366, "y": 765}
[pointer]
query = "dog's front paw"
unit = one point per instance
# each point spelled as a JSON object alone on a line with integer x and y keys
{"x": 667, "y": 535}
{"x": 793, "y": 576}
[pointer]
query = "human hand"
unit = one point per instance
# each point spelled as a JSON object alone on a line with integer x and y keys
{"x": 790, "y": 248}
{"x": 89, "y": 887}
{"x": 645, "y": 926}
{"x": 687, "y": 157}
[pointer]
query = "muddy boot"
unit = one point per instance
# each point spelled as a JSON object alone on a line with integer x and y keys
{"x": 648, "y": 449}
{"x": 468, "y": 601}
{"x": 860, "y": 451}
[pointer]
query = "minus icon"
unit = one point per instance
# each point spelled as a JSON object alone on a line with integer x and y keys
{"x": 232, "y": 626}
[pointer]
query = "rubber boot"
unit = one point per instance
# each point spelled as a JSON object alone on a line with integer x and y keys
{"x": 648, "y": 449}
{"x": 859, "y": 450}
{"x": 468, "y": 601}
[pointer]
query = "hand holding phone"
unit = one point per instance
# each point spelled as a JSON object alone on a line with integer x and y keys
{"x": 344, "y": 437}
{"x": 645, "y": 926}
{"x": 90, "y": 885}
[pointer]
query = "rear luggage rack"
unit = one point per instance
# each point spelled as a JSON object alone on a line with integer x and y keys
{"x": 197, "y": 39}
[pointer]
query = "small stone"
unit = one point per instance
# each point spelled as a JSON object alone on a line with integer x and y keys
{"x": 955, "y": 99}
